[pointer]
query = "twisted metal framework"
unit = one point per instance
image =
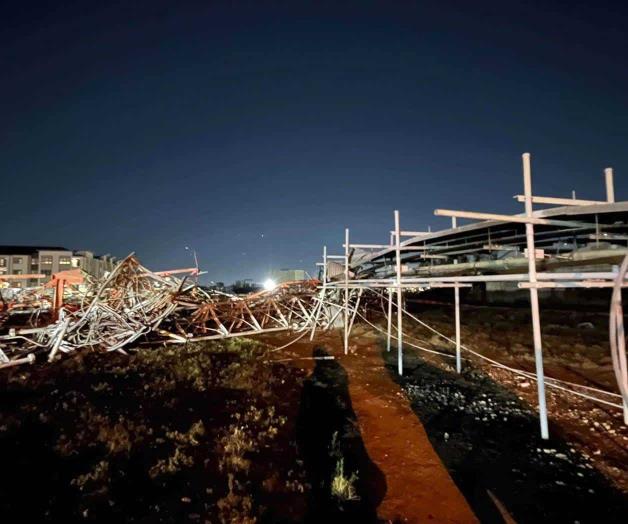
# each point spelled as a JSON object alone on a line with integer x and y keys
{"x": 133, "y": 303}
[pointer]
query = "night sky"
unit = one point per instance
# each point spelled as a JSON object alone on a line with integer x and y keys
{"x": 256, "y": 132}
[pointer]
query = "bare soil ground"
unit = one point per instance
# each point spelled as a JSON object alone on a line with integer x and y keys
{"x": 485, "y": 431}
{"x": 213, "y": 432}
{"x": 405, "y": 479}
{"x": 198, "y": 434}
{"x": 575, "y": 348}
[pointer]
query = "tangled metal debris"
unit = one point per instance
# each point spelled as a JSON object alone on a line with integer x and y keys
{"x": 134, "y": 305}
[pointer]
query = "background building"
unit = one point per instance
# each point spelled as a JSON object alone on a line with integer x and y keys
{"x": 97, "y": 266}
{"x": 288, "y": 275}
{"x": 47, "y": 260}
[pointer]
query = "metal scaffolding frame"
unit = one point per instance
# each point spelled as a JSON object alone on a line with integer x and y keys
{"x": 574, "y": 220}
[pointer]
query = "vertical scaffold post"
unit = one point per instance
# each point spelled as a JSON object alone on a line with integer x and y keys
{"x": 389, "y": 332}
{"x": 321, "y": 303}
{"x": 58, "y": 297}
{"x": 346, "y": 310}
{"x": 399, "y": 297}
{"x": 457, "y": 316}
{"x": 610, "y": 185}
{"x": 534, "y": 297}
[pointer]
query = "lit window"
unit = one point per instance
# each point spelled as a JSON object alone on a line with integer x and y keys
{"x": 64, "y": 261}
{"x": 3, "y": 262}
{"x": 46, "y": 260}
{"x": 17, "y": 260}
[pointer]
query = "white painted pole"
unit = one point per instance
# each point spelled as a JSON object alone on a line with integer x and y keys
{"x": 399, "y": 298}
{"x": 534, "y": 298}
{"x": 389, "y": 332}
{"x": 346, "y": 315}
{"x": 322, "y": 294}
{"x": 457, "y": 315}
{"x": 610, "y": 186}
{"x": 454, "y": 222}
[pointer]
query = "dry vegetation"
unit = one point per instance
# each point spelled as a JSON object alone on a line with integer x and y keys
{"x": 196, "y": 433}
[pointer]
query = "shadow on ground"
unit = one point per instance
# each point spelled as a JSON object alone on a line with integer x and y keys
{"x": 330, "y": 440}
{"x": 489, "y": 441}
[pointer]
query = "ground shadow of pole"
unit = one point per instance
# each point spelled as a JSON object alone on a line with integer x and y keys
{"x": 330, "y": 440}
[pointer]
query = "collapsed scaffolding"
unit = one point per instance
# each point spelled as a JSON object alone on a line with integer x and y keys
{"x": 134, "y": 303}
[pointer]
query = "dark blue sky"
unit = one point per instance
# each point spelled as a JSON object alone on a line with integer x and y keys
{"x": 145, "y": 126}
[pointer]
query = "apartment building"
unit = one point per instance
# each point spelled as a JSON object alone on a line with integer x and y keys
{"x": 47, "y": 260}
{"x": 97, "y": 266}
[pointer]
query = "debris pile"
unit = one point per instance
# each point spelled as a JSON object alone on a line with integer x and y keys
{"x": 134, "y": 303}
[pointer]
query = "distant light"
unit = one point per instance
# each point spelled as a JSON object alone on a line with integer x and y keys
{"x": 269, "y": 284}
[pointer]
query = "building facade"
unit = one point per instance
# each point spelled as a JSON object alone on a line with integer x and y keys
{"x": 288, "y": 275}
{"x": 97, "y": 266}
{"x": 47, "y": 260}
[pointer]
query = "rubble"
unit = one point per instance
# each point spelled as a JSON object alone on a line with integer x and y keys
{"x": 133, "y": 304}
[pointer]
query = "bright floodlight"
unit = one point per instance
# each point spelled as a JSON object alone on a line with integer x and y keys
{"x": 269, "y": 284}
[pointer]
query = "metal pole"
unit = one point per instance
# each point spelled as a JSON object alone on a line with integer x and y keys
{"x": 58, "y": 298}
{"x": 457, "y": 315}
{"x": 346, "y": 315}
{"x": 534, "y": 297}
{"x": 322, "y": 294}
{"x": 196, "y": 264}
{"x": 388, "y": 338}
{"x": 399, "y": 298}
{"x": 355, "y": 309}
{"x": 610, "y": 187}
{"x": 454, "y": 222}
{"x": 187, "y": 248}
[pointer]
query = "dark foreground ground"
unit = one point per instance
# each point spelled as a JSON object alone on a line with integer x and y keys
{"x": 489, "y": 440}
{"x": 204, "y": 433}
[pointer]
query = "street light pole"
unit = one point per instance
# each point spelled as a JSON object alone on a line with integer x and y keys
{"x": 195, "y": 260}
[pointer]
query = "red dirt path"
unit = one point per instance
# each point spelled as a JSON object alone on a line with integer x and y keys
{"x": 419, "y": 488}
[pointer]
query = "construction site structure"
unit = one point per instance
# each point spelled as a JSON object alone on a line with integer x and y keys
{"x": 573, "y": 244}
